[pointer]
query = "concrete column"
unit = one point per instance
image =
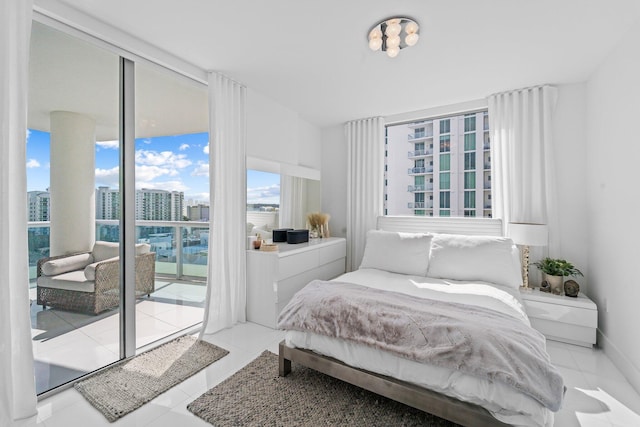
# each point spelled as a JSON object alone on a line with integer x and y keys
{"x": 73, "y": 207}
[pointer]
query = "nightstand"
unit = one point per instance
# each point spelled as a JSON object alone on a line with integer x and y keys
{"x": 562, "y": 318}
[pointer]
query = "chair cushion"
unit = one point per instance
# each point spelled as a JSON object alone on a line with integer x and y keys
{"x": 142, "y": 248}
{"x": 72, "y": 281}
{"x": 105, "y": 250}
{"x": 90, "y": 270}
{"x": 66, "y": 264}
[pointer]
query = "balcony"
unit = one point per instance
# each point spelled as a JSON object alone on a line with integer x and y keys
{"x": 68, "y": 344}
{"x": 420, "y": 188}
{"x": 420, "y": 205}
{"x": 419, "y": 135}
{"x": 420, "y": 153}
{"x": 420, "y": 170}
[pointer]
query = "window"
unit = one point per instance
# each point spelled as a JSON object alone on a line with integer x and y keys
{"x": 445, "y": 143}
{"x": 469, "y": 180}
{"x": 442, "y": 167}
{"x": 469, "y": 161}
{"x": 445, "y": 180}
{"x": 469, "y": 141}
{"x": 445, "y": 162}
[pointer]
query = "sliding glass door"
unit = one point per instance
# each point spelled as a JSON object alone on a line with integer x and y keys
{"x": 117, "y": 175}
{"x": 72, "y": 149}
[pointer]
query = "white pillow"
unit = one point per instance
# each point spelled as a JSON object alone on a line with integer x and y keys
{"x": 405, "y": 253}
{"x": 105, "y": 250}
{"x": 66, "y": 264}
{"x": 484, "y": 258}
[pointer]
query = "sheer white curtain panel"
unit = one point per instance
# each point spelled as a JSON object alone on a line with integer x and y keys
{"x": 17, "y": 383}
{"x": 225, "y": 303}
{"x": 522, "y": 151}
{"x": 293, "y": 202}
{"x": 365, "y": 183}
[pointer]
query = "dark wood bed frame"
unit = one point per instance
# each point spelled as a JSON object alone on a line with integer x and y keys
{"x": 440, "y": 405}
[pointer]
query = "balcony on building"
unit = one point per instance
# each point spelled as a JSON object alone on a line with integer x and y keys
{"x": 420, "y": 205}
{"x": 420, "y": 153}
{"x": 420, "y": 188}
{"x": 420, "y": 170}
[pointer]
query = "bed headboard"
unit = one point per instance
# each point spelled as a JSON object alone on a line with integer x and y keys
{"x": 450, "y": 225}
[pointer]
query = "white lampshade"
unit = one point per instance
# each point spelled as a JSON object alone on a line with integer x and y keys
{"x": 528, "y": 234}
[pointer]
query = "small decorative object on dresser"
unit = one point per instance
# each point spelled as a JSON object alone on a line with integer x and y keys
{"x": 318, "y": 224}
{"x": 571, "y": 288}
{"x": 554, "y": 270}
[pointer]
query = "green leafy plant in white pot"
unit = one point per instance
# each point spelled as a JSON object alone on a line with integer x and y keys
{"x": 554, "y": 271}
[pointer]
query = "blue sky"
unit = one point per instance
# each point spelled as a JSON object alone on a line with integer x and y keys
{"x": 179, "y": 163}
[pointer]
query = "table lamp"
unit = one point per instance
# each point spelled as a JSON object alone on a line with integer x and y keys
{"x": 527, "y": 234}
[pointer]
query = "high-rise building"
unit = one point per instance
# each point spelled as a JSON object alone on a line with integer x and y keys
{"x": 155, "y": 205}
{"x": 199, "y": 212}
{"x": 107, "y": 203}
{"x": 39, "y": 203}
{"x": 159, "y": 205}
{"x": 447, "y": 171}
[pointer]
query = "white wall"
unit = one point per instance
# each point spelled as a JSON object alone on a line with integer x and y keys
{"x": 613, "y": 152}
{"x": 334, "y": 178}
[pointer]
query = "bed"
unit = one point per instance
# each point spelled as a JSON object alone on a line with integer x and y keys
{"x": 458, "y": 266}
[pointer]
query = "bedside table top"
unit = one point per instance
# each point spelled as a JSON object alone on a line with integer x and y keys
{"x": 534, "y": 294}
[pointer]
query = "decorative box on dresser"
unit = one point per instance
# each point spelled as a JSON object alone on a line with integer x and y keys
{"x": 562, "y": 318}
{"x": 274, "y": 277}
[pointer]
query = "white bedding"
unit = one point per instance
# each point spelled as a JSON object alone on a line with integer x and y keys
{"x": 503, "y": 402}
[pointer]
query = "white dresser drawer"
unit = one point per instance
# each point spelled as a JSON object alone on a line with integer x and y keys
{"x": 331, "y": 253}
{"x": 296, "y": 264}
{"x": 562, "y": 313}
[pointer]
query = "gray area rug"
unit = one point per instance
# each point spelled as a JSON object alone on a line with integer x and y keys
{"x": 128, "y": 385}
{"x": 257, "y": 396}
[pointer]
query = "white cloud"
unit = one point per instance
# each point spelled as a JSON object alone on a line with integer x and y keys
{"x": 202, "y": 169}
{"x": 196, "y": 198}
{"x": 270, "y": 194}
{"x": 149, "y": 173}
{"x": 183, "y": 147}
{"x": 164, "y": 185}
{"x": 108, "y": 177}
{"x": 33, "y": 163}
{"x": 113, "y": 145}
{"x": 163, "y": 158}
{"x": 205, "y": 150}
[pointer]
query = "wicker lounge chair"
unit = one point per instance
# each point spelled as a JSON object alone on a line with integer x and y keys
{"x": 89, "y": 282}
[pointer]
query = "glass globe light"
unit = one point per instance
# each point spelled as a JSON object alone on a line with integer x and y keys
{"x": 393, "y": 42}
{"x": 375, "y": 33}
{"x": 375, "y": 44}
{"x": 393, "y": 21}
{"x": 411, "y": 39}
{"x": 411, "y": 27}
{"x": 392, "y": 52}
{"x": 393, "y": 30}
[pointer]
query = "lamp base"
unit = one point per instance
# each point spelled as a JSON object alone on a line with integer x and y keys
{"x": 525, "y": 267}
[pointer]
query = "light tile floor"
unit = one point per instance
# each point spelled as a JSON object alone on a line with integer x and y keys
{"x": 67, "y": 345}
{"x": 598, "y": 395}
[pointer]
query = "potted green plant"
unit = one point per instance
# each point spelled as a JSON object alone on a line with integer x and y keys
{"x": 554, "y": 270}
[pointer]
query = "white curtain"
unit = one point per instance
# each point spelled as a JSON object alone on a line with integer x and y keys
{"x": 365, "y": 183}
{"x": 522, "y": 152}
{"x": 17, "y": 384}
{"x": 226, "y": 280}
{"x": 293, "y": 202}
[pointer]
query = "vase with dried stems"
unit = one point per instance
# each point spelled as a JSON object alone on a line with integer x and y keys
{"x": 318, "y": 224}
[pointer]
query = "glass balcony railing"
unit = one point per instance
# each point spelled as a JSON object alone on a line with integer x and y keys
{"x": 420, "y": 153}
{"x": 420, "y": 205}
{"x": 419, "y": 188}
{"x": 181, "y": 247}
{"x": 419, "y": 170}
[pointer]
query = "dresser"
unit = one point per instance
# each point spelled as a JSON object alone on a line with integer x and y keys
{"x": 562, "y": 318}
{"x": 274, "y": 277}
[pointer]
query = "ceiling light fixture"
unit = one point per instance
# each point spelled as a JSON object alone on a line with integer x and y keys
{"x": 394, "y": 34}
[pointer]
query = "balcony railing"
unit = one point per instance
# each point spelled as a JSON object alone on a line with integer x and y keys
{"x": 181, "y": 247}
{"x": 420, "y": 205}
{"x": 419, "y": 188}
{"x": 420, "y": 170}
{"x": 420, "y": 153}
{"x": 419, "y": 135}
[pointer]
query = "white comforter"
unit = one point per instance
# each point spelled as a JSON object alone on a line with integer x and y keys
{"x": 500, "y": 400}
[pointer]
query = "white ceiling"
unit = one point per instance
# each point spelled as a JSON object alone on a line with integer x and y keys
{"x": 312, "y": 56}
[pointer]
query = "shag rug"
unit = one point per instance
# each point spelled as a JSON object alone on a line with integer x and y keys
{"x": 128, "y": 385}
{"x": 257, "y": 396}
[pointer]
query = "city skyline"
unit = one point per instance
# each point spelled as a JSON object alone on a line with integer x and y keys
{"x": 174, "y": 163}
